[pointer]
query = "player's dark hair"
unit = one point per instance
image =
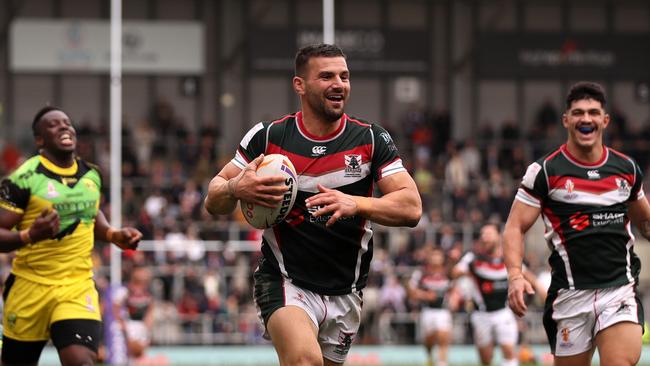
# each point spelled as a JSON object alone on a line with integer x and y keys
{"x": 586, "y": 90}
{"x": 40, "y": 114}
{"x": 315, "y": 50}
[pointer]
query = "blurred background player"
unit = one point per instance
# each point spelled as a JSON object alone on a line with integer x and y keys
{"x": 316, "y": 262}
{"x": 492, "y": 321}
{"x": 52, "y": 201}
{"x": 139, "y": 312}
{"x": 429, "y": 287}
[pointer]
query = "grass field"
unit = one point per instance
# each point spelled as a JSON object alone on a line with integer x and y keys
{"x": 463, "y": 355}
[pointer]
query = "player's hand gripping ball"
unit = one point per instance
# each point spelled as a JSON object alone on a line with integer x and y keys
{"x": 263, "y": 217}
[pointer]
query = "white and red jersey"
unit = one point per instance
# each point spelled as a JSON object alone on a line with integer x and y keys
{"x": 584, "y": 208}
{"x": 490, "y": 277}
{"x": 334, "y": 260}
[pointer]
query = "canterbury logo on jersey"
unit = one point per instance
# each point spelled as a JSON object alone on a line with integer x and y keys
{"x": 579, "y": 221}
{"x": 318, "y": 150}
{"x": 593, "y": 174}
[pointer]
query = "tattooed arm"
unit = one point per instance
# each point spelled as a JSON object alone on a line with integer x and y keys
{"x": 639, "y": 212}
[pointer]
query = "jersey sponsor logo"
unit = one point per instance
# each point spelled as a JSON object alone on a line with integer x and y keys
{"x": 579, "y": 221}
{"x": 623, "y": 187}
{"x": 322, "y": 218}
{"x": 388, "y": 140}
{"x": 345, "y": 341}
{"x": 593, "y": 174}
{"x": 352, "y": 165}
{"x": 51, "y": 190}
{"x": 607, "y": 218}
{"x": 569, "y": 186}
{"x": 318, "y": 150}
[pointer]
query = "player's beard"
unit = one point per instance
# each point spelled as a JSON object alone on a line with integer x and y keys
{"x": 321, "y": 109}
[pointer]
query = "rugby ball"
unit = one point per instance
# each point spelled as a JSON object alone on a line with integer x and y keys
{"x": 264, "y": 217}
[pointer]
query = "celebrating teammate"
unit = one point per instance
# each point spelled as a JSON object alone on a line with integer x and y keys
{"x": 52, "y": 201}
{"x": 587, "y": 194}
{"x": 315, "y": 263}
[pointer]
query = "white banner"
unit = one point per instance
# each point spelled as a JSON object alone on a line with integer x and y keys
{"x": 149, "y": 47}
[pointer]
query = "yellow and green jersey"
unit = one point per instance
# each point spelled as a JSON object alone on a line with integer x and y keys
{"x": 74, "y": 193}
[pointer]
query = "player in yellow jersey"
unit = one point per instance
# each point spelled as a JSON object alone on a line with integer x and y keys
{"x": 49, "y": 214}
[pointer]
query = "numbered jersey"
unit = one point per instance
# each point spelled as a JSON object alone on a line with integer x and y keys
{"x": 333, "y": 260}
{"x": 491, "y": 280}
{"x": 74, "y": 192}
{"x": 584, "y": 208}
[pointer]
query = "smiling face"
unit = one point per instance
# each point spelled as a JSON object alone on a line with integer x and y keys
{"x": 325, "y": 87}
{"x": 585, "y": 122}
{"x": 55, "y": 133}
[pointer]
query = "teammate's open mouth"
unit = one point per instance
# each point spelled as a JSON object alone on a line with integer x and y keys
{"x": 335, "y": 98}
{"x": 586, "y": 129}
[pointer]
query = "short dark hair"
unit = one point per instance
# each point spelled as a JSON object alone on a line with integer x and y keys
{"x": 315, "y": 50}
{"x": 40, "y": 114}
{"x": 586, "y": 90}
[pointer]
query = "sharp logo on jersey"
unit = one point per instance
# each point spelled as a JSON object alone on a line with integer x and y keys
{"x": 593, "y": 174}
{"x": 569, "y": 186}
{"x": 318, "y": 150}
{"x": 353, "y": 165}
{"x": 608, "y": 218}
{"x": 623, "y": 187}
{"x": 345, "y": 341}
{"x": 51, "y": 190}
{"x": 579, "y": 221}
{"x": 323, "y": 218}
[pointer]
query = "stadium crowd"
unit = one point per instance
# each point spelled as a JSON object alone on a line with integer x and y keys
{"x": 208, "y": 293}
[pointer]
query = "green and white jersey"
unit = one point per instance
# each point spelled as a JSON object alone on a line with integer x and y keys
{"x": 584, "y": 208}
{"x": 75, "y": 193}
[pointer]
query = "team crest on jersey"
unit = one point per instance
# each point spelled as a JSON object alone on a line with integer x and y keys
{"x": 623, "y": 187}
{"x": 90, "y": 184}
{"x": 353, "y": 165}
{"x": 569, "y": 186}
{"x": 51, "y": 190}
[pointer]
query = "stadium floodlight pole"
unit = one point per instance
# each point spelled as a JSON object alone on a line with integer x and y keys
{"x": 116, "y": 135}
{"x": 328, "y": 21}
